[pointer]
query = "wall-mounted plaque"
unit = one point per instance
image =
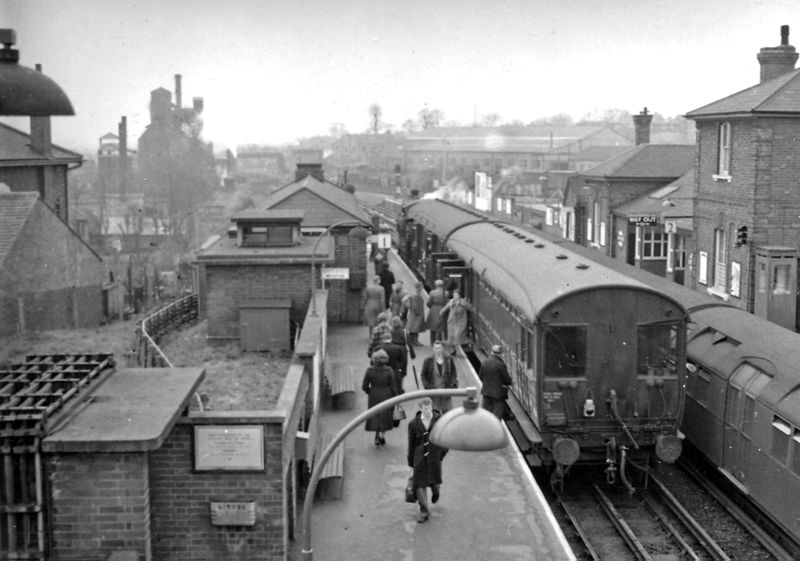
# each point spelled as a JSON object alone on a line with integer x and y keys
{"x": 233, "y": 514}
{"x": 229, "y": 447}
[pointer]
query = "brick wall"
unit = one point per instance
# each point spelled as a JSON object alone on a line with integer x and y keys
{"x": 181, "y": 526}
{"x": 761, "y": 194}
{"x": 28, "y": 178}
{"x": 100, "y": 503}
{"x": 57, "y": 277}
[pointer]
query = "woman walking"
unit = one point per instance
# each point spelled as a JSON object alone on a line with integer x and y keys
{"x": 373, "y": 303}
{"x": 425, "y": 457}
{"x": 379, "y": 384}
{"x": 436, "y": 301}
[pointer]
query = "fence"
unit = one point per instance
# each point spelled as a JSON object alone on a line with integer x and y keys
{"x": 156, "y": 325}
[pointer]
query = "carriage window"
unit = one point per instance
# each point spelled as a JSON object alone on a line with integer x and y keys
{"x": 657, "y": 349}
{"x": 698, "y": 386}
{"x": 565, "y": 352}
{"x": 780, "y": 439}
{"x": 749, "y": 413}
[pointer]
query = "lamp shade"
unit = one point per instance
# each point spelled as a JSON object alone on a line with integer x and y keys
{"x": 24, "y": 91}
{"x": 469, "y": 428}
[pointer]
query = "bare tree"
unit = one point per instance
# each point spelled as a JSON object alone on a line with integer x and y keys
{"x": 490, "y": 120}
{"x": 409, "y": 126}
{"x": 375, "y": 113}
{"x": 430, "y": 117}
{"x": 337, "y": 130}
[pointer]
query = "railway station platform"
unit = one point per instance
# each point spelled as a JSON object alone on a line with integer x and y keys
{"x": 490, "y": 505}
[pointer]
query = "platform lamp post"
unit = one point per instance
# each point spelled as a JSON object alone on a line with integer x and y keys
{"x": 468, "y": 428}
{"x": 25, "y": 91}
{"x": 359, "y": 232}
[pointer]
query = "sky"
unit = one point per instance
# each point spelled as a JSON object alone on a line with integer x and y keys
{"x": 273, "y": 71}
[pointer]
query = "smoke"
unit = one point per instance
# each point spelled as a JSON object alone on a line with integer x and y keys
{"x": 454, "y": 191}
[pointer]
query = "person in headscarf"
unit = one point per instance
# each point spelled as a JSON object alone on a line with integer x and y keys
{"x": 380, "y": 384}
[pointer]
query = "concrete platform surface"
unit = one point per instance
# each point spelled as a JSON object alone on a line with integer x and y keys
{"x": 490, "y": 506}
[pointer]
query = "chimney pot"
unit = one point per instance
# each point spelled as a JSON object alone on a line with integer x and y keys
{"x": 641, "y": 125}
{"x": 777, "y": 61}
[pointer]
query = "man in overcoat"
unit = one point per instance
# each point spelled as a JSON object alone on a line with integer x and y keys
{"x": 496, "y": 380}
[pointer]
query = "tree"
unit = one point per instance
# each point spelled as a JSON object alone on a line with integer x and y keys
{"x": 430, "y": 117}
{"x": 337, "y": 130}
{"x": 375, "y": 115}
{"x": 490, "y": 120}
{"x": 409, "y": 126}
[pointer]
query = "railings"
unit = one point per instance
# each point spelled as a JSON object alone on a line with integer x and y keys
{"x": 158, "y": 324}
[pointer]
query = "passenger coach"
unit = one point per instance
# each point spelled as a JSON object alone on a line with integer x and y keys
{"x": 597, "y": 358}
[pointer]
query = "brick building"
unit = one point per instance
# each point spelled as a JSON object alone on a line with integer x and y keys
{"x": 33, "y": 163}
{"x": 264, "y": 261}
{"x": 49, "y": 277}
{"x": 747, "y": 207}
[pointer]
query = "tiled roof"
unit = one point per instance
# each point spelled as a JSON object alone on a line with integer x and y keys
{"x": 779, "y": 95}
{"x": 673, "y": 200}
{"x": 333, "y": 194}
{"x": 15, "y": 146}
{"x": 14, "y": 211}
{"x": 599, "y": 153}
{"x": 646, "y": 161}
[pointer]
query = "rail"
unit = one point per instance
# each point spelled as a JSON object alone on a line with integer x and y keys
{"x": 158, "y": 324}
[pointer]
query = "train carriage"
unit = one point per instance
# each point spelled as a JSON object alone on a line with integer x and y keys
{"x": 597, "y": 358}
{"x": 743, "y": 406}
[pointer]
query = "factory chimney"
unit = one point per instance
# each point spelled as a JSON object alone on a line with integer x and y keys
{"x": 178, "y": 92}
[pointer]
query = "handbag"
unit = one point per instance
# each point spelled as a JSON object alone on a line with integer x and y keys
{"x": 411, "y": 493}
{"x": 398, "y": 415}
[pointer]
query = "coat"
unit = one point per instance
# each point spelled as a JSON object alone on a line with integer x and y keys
{"x": 398, "y": 359}
{"x": 415, "y": 318}
{"x": 457, "y": 320}
{"x": 494, "y": 377}
{"x": 436, "y": 301}
{"x": 379, "y": 384}
{"x": 433, "y": 380}
{"x": 399, "y": 337}
{"x": 396, "y": 301}
{"x": 423, "y": 455}
{"x": 373, "y": 304}
{"x": 387, "y": 282}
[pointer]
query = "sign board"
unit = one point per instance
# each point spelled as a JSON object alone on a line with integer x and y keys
{"x": 229, "y": 447}
{"x": 233, "y": 514}
{"x": 335, "y": 273}
{"x": 385, "y": 241}
{"x": 671, "y": 226}
{"x": 643, "y": 219}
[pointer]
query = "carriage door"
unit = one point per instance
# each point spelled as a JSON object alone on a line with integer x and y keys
{"x": 458, "y": 278}
{"x": 745, "y": 384}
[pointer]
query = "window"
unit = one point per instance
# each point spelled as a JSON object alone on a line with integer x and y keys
{"x": 780, "y": 282}
{"x": 565, "y": 352}
{"x": 702, "y": 268}
{"x": 724, "y": 167}
{"x": 657, "y": 351}
{"x": 680, "y": 253}
{"x": 780, "y": 439}
{"x": 720, "y": 260}
{"x": 796, "y": 452}
{"x": 654, "y": 244}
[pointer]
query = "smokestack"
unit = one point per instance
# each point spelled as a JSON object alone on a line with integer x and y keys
{"x": 641, "y": 125}
{"x": 178, "y": 92}
{"x": 777, "y": 61}
{"x": 123, "y": 156}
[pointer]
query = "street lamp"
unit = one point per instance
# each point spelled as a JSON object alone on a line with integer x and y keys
{"x": 469, "y": 428}
{"x": 24, "y": 91}
{"x": 358, "y": 232}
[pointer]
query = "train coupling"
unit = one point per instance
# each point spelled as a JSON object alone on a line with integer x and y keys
{"x": 611, "y": 461}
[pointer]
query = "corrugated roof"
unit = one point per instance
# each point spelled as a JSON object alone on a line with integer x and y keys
{"x": 646, "y": 161}
{"x": 780, "y": 95}
{"x": 15, "y": 145}
{"x": 14, "y": 211}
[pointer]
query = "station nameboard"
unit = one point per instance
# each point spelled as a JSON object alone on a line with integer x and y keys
{"x": 335, "y": 273}
{"x": 643, "y": 219}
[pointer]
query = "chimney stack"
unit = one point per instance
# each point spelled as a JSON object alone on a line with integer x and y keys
{"x": 178, "y": 93}
{"x": 777, "y": 61}
{"x": 123, "y": 156}
{"x": 641, "y": 125}
{"x": 41, "y": 135}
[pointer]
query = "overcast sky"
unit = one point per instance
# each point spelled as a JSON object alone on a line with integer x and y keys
{"x": 271, "y": 71}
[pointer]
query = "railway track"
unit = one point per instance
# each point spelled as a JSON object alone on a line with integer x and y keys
{"x": 609, "y": 523}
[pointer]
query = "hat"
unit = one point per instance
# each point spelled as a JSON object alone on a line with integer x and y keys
{"x": 380, "y": 356}
{"x": 439, "y": 282}
{"x": 497, "y": 349}
{"x": 386, "y": 337}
